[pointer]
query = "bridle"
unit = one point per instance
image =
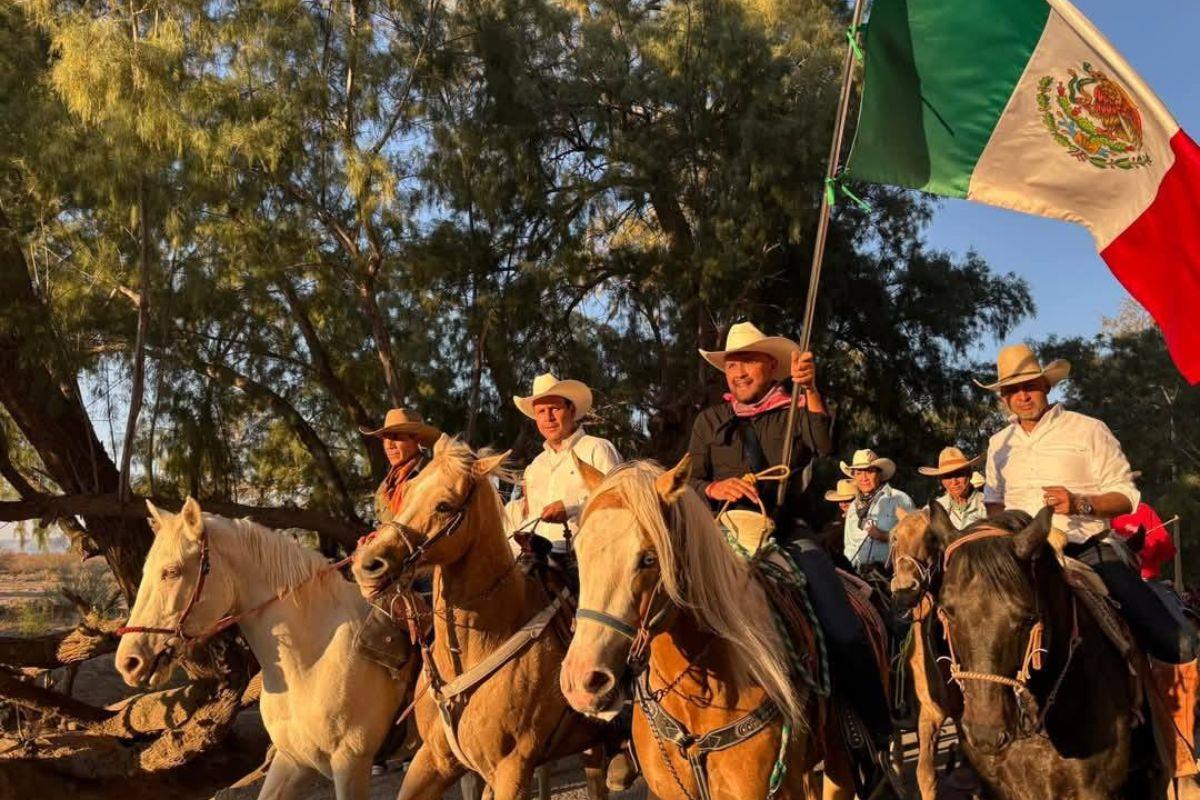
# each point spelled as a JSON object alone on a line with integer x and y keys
{"x": 927, "y": 575}
{"x": 650, "y": 622}
{"x": 178, "y": 636}
{"x": 408, "y": 535}
{"x": 1031, "y": 661}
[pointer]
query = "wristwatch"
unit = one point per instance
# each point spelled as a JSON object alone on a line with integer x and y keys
{"x": 1084, "y": 505}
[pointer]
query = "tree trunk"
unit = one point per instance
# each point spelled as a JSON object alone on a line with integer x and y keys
{"x": 40, "y": 394}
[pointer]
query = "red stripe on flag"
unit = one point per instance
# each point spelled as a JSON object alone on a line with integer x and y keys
{"x": 1157, "y": 258}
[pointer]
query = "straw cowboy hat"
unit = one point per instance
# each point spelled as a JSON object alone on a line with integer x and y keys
{"x": 1018, "y": 364}
{"x": 403, "y": 420}
{"x": 745, "y": 337}
{"x": 977, "y": 480}
{"x": 950, "y": 460}
{"x": 546, "y": 385}
{"x": 844, "y": 492}
{"x": 866, "y": 459}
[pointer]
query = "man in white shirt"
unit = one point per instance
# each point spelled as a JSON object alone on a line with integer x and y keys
{"x": 554, "y": 491}
{"x": 963, "y": 501}
{"x": 1049, "y": 456}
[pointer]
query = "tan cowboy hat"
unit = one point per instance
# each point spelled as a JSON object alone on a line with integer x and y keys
{"x": 546, "y": 385}
{"x": 950, "y": 460}
{"x": 403, "y": 420}
{"x": 866, "y": 459}
{"x": 744, "y": 337}
{"x": 844, "y": 492}
{"x": 1017, "y": 363}
{"x": 977, "y": 480}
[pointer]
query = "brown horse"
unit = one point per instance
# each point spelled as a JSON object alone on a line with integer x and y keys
{"x": 491, "y": 702}
{"x": 717, "y": 713}
{"x": 1049, "y": 706}
{"x": 916, "y": 577}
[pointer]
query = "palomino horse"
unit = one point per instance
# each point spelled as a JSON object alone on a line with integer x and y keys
{"x": 1048, "y": 703}
{"x": 491, "y": 702}
{"x": 916, "y": 578}
{"x": 663, "y": 596}
{"x": 204, "y": 571}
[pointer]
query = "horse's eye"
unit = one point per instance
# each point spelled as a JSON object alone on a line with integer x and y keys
{"x": 171, "y": 572}
{"x": 649, "y": 560}
{"x": 444, "y": 507}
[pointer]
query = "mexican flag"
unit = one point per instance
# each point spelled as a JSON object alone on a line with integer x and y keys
{"x": 1024, "y": 104}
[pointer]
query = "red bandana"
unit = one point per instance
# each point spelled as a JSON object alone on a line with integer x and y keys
{"x": 778, "y": 397}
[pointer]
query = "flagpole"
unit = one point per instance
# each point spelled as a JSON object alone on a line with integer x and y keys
{"x": 814, "y": 277}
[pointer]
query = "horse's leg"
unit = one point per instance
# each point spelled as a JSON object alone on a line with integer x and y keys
{"x": 423, "y": 781}
{"x": 595, "y": 767}
{"x": 839, "y": 783}
{"x": 510, "y": 779}
{"x": 284, "y": 778}
{"x": 351, "y": 778}
{"x": 929, "y": 724}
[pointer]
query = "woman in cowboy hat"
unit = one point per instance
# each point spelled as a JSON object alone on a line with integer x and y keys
{"x": 873, "y": 514}
{"x": 962, "y": 500}
{"x": 554, "y": 491}
{"x": 844, "y": 495}
{"x": 404, "y": 434}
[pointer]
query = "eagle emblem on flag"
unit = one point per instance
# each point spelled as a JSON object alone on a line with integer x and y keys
{"x": 1094, "y": 118}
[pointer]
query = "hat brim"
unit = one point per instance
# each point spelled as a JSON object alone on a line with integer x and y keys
{"x": 426, "y": 434}
{"x": 1055, "y": 371}
{"x": 886, "y": 467}
{"x": 938, "y": 472}
{"x": 834, "y": 497}
{"x": 778, "y": 347}
{"x": 576, "y": 391}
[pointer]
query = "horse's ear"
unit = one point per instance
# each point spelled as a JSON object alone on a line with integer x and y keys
{"x": 671, "y": 483}
{"x": 592, "y": 477}
{"x": 156, "y": 517}
{"x": 1030, "y": 540}
{"x": 488, "y": 464}
{"x": 193, "y": 520}
{"x": 941, "y": 527}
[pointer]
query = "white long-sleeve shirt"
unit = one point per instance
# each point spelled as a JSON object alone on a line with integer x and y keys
{"x": 1065, "y": 449}
{"x": 552, "y": 476}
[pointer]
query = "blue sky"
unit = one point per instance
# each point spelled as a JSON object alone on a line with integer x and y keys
{"x": 1071, "y": 285}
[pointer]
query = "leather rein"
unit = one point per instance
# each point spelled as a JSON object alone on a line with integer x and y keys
{"x": 1031, "y": 661}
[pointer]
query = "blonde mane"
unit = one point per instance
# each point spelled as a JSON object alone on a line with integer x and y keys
{"x": 701, "y": 573}
{"x": 283, "y": 562}
{"x": 456, "y": 458}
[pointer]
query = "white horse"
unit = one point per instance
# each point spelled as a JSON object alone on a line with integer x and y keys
{"x": 326, "y": 707}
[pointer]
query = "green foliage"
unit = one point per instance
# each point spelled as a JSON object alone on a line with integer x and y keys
{"x": 342, "y": 206}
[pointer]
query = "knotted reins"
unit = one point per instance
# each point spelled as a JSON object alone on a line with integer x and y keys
{"x": 1031, "y": 661}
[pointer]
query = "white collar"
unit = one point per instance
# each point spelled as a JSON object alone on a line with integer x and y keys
{"x": 1043, "y": 424}
{"x": 568, "y": 444}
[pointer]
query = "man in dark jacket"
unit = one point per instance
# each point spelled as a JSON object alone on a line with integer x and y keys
{"x": 745, "y": 434}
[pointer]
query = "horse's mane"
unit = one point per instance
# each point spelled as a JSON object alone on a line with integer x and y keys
{"x": 457, "y": 457}
{"x": 701, "y": 573}
{"x": 284, "y": 562}
{"x": 993, "y": 560}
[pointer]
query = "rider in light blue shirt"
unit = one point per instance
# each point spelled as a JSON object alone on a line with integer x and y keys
{"x": 872, "y": 515}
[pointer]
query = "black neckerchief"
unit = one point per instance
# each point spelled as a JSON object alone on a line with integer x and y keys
{"x": 862, "y": 505}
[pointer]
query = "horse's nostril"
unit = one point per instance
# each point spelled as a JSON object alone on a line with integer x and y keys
{"x": 374, "y": 566}
{"x": 130, "y": 664}
{"x": 597, "y": 682}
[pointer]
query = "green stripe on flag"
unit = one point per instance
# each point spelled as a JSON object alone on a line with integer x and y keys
{"x": 939, "y": 73}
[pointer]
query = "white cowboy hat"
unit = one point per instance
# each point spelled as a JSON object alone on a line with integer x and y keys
{"x": 1017, "y": 363}
{"x": 950, "y": 460}
{"x": 744, "y": 337}
{"x": 866, "y": 459}
{"x": 546, "y": 385}
{"x": 844, "y": 492}
{"x": 402, "y": 420}
{"x": 977, "y": 480}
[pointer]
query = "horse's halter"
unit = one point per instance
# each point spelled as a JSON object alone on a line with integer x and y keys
{"x": 926, "y": 576}
{"x": 1030, "y": 661}
{"x": 417, "y": 551}
{"x": 650, "y": 623}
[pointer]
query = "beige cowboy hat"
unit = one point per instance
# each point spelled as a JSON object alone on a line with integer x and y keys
{"x": 1017, "y": 363}
{"x": 546, "y": 385}
{"x": 950, "y": 460}
{"x": 866, "y": 459}
{"x": 977, "y": 480}
{"x": 403, "y": 420}
{"x": 745, "y": 337}
{"x": 844, "y": 492}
